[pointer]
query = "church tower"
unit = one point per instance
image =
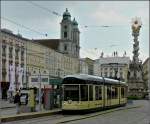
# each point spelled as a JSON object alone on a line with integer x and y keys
{"x": 69, "y": 36}
{"x": 75, "y": 37}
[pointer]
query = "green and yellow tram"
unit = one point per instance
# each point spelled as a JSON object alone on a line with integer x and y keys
{"x": 83, "y": 92}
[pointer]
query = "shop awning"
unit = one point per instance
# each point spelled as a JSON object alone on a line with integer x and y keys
{"x": 55, "y": 81}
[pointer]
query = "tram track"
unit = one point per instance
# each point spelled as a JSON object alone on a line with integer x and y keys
{"x": 98, "y": 113}
{"x": 40, "y": 120}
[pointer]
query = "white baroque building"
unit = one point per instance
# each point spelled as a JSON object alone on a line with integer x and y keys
{"x": 12, "y": 61}
{"x": 112, "y": 67}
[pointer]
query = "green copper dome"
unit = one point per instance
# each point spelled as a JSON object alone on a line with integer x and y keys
{"x": 74, "y": 22}
{"x": 66, "y": 14}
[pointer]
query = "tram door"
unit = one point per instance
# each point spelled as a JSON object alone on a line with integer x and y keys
{"x": 108, "y": 100}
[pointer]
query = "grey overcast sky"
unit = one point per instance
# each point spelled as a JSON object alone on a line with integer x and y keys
{"x": 93, "y": 39}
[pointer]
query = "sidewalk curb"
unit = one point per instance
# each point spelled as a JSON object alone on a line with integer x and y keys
{"x": 27, "y": 116}
{"x": 7, "y": 107}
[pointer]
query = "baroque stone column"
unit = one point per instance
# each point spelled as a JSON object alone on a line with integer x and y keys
{"x": 135, "y": 74}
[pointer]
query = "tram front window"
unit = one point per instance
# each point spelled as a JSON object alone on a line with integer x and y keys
{"x": 71, "y": 92}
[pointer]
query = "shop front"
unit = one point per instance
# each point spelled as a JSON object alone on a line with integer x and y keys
{"x": 57, "y": 91}
{"x": 4, "y": 86}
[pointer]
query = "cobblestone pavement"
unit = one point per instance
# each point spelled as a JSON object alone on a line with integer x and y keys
{"x": 139, "y": 115}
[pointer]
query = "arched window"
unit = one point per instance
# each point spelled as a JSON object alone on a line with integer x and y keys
{"x": 65, "y": 27}
{"x": 65, "y": 47}
{"x": 65, "y": 34}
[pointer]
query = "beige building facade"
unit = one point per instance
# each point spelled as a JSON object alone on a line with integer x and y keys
{"x": 37, "y": 70}
{"x": 86, "y": 66}
{"x": 83, "y": 66}
{"x": 146, "y": 74}
{"x": 45, "y": 63}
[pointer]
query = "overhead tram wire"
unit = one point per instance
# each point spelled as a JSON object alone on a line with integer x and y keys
{"x": 82, "y": 26}
{"x": 44, "y": 8}
{"x": 32, "y": 30}
{"x": 101, "y": 26}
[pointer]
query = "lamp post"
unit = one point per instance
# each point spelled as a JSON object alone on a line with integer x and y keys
{"x": 39, "y": 79}
{"x": 39, "y": 90}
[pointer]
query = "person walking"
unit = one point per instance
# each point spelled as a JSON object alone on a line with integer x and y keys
{"x": 17, "y": 102}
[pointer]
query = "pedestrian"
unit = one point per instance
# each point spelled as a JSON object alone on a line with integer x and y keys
{"x": 17, "y": 102}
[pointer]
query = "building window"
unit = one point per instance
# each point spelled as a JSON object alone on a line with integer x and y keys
{"x": 34, "y": 79}
{"x": 10, "y": 51}
{"x": 17, "y": 52}
{"x": 22, "y": 55}
{"x": 44, "y": 79}
{"x": 105, "y": 74}
{"x": 65, "y": 34}
{"x": 22, "y": 65}
{"x": 121, "y": 75}
{"x": 4, "y": 50}
{"x": 65, "y": 27}
{"x": 76, "y": 48}
{"x": 110, "y": 74}
{"x": 65, "y": 47}
{"x": 101, "y": 74}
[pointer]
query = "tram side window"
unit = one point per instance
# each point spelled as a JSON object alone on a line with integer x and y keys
{"x": 108, "y": 92}
{"x": 122, "y": 92}
{"x": 98, "y": 93}
{"x": 91, "y": 93}
{"x": 114, "y": 93}
{"x": 84, "y": 92}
